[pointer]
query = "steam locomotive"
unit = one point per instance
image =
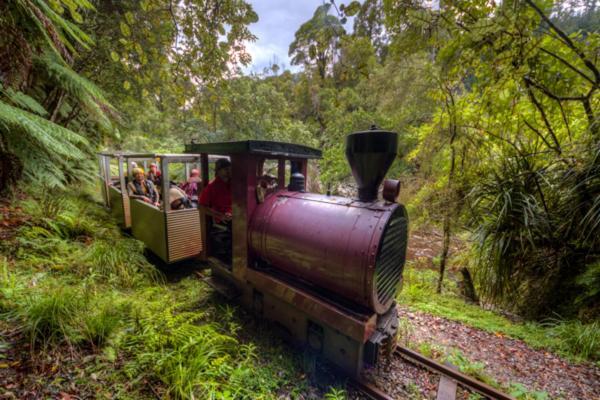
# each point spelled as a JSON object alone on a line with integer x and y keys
{"x": 324, "y": 268}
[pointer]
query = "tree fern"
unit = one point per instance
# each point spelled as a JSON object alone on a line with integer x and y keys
{"x": 84, "y": 91}
{"x": 47, "y": 150}
{"x": 20, "y": 99}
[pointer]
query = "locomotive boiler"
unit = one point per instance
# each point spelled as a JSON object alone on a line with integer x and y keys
{"x": 351, "y": 249}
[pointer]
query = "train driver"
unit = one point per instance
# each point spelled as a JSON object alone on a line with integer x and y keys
{"x": 216, "y": 197}
{"x": 216, "y": 201}
{"x": 142, "y": 188}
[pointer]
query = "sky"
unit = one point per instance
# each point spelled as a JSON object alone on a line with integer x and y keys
{"x": 278, "y": 20}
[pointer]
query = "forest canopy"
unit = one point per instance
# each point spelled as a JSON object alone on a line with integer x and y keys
{"x": 496, "y": 104}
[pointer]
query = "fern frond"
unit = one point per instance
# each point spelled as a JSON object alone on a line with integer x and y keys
{"x": 66, "y": 26}
{"x": 24, "y": 101}
{"x": 45, "y": 27}
{"x": 48, "y": 151}
{"x": 85, "y": 91}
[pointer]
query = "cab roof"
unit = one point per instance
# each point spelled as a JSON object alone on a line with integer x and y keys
{"x": 259, "y": 147}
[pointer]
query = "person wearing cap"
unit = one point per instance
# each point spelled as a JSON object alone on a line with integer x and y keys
{"x": 154, "y": 175}
{"x": 216, "y": 197}
{"x": 142, "y": 188}
{"x": 193, "y": 186}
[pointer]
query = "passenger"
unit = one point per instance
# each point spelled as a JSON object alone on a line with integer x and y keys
{"x": 142, "y": 188}
{"x": 129, "y": 178}
{"x": 177, "y": 197}
{"x": 193, "y": 186}
{"x": 216, "y": 197}
{"x": 216, "y": 200}
{"x": 155, "y": 176}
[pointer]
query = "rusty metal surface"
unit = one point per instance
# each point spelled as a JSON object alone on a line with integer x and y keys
{"x": 183, "y": 234}
{"x": 330, "y": 242}
{"x": 243, "y": 192}
{"x": 391, "y": 189}
{"x": 359, "y": 329}
{"x": 464, "y": 380}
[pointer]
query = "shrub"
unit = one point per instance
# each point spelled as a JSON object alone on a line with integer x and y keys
{"x": 578, "y": 338}
{"x": 50, "y": 316}
{"x": 100, "y": 324}
{"x": 121, "y": 261}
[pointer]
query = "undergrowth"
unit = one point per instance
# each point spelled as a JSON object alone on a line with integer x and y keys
{"x": 572, "y": 339}
{"x": 72, "y": 282}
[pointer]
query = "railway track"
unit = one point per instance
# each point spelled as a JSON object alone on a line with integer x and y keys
{"x": 449, "y": 380}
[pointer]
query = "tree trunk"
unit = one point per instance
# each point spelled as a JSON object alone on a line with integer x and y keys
{"x": 11, "y": 166}
{"x": 445, "y": 249}
{"x": 450, "y": 195}
{"x": 468, "y": 287}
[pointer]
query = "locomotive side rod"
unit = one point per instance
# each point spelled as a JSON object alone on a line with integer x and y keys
{"x": 462, "y": 379}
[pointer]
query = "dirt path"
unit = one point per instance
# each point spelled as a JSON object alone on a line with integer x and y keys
{"x": 509, "y": 360}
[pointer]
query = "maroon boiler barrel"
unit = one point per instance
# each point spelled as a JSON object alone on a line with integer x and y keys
{"x": 352, "y": 249}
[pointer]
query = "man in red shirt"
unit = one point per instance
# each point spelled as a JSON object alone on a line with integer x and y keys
{"x": 216, "y": 197}
{"x": 216, "y": 200}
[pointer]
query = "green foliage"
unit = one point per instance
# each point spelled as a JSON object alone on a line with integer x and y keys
{"x": 122, "y": 262}
{"x": 41, "y": 145}
{"x": 48, "y": 316}
{"x": 335, "y": 394}
{"x": 316, "y": 40}
{"x": 101, "y": 323}
{"x": 577, "y": 338}
{"x": 193, "y": 357}
{"x": 173, "y": 335}
{"x": 466, "y": 366}
{"x": 511, "y": 152}
{"x": 520, "y": 392}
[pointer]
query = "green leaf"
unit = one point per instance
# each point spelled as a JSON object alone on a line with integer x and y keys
{"x": 125, "y": 30}
{"x": 114, "y": 56}
{"x": 126, "y": 85}
{"x": 129, "y": 17}
{"x": 352, "y": 9}
{"x": 22, "y": 100}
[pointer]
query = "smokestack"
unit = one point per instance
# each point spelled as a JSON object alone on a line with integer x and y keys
{"x": 370, "y": 155}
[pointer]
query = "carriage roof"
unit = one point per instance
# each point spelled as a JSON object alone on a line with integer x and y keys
{"x": 258, "y": 147}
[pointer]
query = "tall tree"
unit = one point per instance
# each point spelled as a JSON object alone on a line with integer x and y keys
{"x": 316, "y": 42}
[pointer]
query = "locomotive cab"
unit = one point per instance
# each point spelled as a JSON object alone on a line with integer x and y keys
{"x": 325, "y": 268}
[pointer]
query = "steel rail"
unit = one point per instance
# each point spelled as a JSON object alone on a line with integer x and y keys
{"x": 462, "y": 379}
{"x": 370, "y": 390}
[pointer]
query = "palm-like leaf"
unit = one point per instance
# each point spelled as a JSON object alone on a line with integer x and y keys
{"x": 48, "y": 150}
